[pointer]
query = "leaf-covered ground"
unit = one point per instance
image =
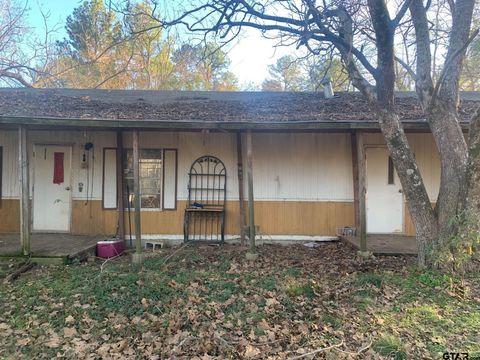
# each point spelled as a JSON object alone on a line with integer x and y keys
{"x": 210, "y": 302}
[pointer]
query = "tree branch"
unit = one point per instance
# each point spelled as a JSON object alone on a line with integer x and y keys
{"x": 448, "y": 63}
{"x": 17, "y": 77}
{"x": 407, "y": 68}
{"x": 401, "y": 14}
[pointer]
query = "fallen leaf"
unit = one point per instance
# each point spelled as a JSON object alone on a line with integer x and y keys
{"x": 69, "y": 331}
{"x": 251, "y": 352}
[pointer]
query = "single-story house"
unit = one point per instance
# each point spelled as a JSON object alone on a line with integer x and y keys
{"x": 74, "y": 152}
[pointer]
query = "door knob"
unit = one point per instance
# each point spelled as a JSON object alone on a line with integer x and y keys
{"x": 68, "y": 188}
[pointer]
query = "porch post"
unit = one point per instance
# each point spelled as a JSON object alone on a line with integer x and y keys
{"x": 24, "y": 190}
{"x": 362, "y": 192}
{"x": 241, "y": 198}
{"x": 355, "y": 173}
{"x": 251, "y": 215}
{"x": 120, "y": 205}
{"x": 137, "y": 258}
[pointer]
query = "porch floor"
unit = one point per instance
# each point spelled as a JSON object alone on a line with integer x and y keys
{"x": 49, "y": 245}
{"x": 388, "y": 244}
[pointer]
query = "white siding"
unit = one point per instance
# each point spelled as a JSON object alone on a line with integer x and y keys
{"x": 426, "y": 154}
{"x": 287, "y": 166}
{"x": 190, "y": 147}
{"x": 78, "y": 139}
{"x": 8, "y": 139}
{"x": 10, "y": 180}
{"x": 302, "y": 166}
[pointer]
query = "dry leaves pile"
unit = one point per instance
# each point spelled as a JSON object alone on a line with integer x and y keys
{"x": 210, "y": 302}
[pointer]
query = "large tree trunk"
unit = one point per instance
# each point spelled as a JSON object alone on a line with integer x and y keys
{"x": 445, "y": 127}
{"x": 452, "y": 149}
{"x": 473, "y": 173}
{"x": 418, "y": 203}
{"x": 440, "y": 105}
{"x": 422, "y": 214}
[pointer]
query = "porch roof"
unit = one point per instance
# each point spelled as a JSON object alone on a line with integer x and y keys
{"x": 205, "y": 110}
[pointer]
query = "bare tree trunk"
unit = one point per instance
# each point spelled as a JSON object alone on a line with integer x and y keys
{"x": 452, "y": 149}
{"x": 473, "y": 171}
{"x": 422, "y": 214}
{"x": 445, "y": 126}
{"x": 440, "y": 104}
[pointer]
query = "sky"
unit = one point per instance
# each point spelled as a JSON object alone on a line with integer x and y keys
{"x": 250, "y": 55}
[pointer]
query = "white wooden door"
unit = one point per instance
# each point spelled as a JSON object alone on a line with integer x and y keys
{"x": 52, "y": 188}
{"x": 384, "y": 193}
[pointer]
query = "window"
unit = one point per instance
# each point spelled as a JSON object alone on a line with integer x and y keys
{"x": 150, "y": 167}
{"x": 391, "y": 172}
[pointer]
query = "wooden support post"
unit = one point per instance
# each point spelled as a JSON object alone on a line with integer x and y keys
{"x": 251, "y": 214}
{"x": 24, "y": 190}
{"x": 241, "y": 198}
{"x": 362, "y": 193}
{"x": 136, "y": 190}
{"x": 120, "y": 194}
{"x": 355, "y": 173}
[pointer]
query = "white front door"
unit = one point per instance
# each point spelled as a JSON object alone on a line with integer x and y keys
{"x": 384, "y": 193}
{"x": 52, "y": 188}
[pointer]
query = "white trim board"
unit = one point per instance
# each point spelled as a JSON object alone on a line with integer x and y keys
{"x": 234, "y": 238}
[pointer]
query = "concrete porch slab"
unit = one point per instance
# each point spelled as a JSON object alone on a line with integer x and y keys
{"x": 386, "y": 244}
{"x": 50, "y": 245}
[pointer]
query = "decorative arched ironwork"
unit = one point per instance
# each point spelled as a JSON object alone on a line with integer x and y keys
{"x": 205, "y": 212}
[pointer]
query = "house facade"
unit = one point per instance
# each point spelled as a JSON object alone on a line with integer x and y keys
{"x": 305, "y": 171}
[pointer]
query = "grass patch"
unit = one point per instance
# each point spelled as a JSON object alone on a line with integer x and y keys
{"x": 205, "y": 298}
{"x": 268, "y": 283}
{"x": 374, "y": 279}
{"x": 390, "y": 346}
{"x": 331, "y": 320}
{"x": 295, "y": 288}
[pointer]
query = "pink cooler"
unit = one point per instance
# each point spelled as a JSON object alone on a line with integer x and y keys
{"x": 109, "y": 248}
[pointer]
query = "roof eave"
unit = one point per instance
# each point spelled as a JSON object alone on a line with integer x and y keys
{"x": 201, "y": 125}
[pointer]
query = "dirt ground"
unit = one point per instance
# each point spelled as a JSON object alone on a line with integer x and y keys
{"x": 209, "y": 302}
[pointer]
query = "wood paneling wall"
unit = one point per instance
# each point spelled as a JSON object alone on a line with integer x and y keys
{"x": 303, "y": 218}
{"x": 89, "y": 218}
{"x": 10, "y": 216}
{"x": 273, "y": 217}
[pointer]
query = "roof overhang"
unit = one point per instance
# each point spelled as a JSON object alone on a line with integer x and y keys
{"x": 49, "y": 122}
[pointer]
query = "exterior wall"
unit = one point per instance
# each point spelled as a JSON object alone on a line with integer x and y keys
{"x": 426, "y": 154}
{"x": 302, "y": 181}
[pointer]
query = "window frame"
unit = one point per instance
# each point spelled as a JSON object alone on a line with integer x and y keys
{"x": 175, "y": 178}
{"x": 162, "y": 179}
{"x": 125, "y": 151}
{"x": 105, "y": 149}
{"x": 390, "y": 172}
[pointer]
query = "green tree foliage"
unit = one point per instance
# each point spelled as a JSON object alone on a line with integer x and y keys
{"x": 199, "y": 67}
{"x": 286, "y": 74}
{"x": 318, "y": 69}
{"x": 102, "y": 50}
{"x": 151, "y": 66}
{"x": 94, "y": 53}
{"x": 305, "y": 74}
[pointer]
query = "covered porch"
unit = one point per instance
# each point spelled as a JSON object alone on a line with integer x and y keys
{"x": 59, "y": 248}
{"x": 386, "y": 244}
{"x": 310, "y": 172}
